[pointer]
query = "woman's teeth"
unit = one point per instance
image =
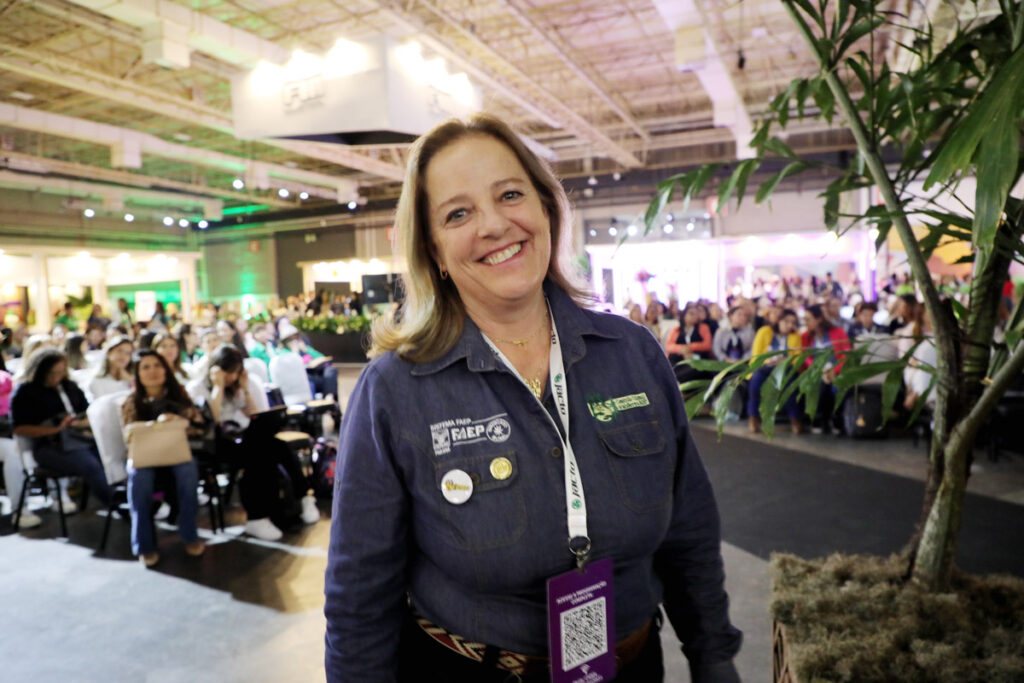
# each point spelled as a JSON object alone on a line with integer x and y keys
{"x": 503, "y": 255}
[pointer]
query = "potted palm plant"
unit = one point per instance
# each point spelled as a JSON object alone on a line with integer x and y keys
{"x": 953, "y": 112}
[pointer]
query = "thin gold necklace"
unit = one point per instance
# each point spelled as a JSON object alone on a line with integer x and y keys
{"x": 523, "y": 342}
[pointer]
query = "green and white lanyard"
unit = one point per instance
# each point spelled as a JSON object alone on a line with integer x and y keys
{"x": 575, "y": 502}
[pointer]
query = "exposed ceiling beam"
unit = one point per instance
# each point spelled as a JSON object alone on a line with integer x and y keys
{"x": 555, "y": 111}
{"x": 28, "y": 162}
{"x": 128, "y": 143}
{"x": 519, "y": 10}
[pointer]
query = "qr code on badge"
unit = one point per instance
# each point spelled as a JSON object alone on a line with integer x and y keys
{"x": 584, "y": 633}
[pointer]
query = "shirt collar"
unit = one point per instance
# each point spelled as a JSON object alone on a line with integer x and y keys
{"x": 573, "y": 323}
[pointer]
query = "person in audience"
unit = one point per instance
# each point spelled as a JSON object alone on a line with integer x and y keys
{"x": 224, "y": 392}
{"x": 66, "y": 317}
{"x": 690, "y": 339}
{"x": 6, "y": 389}
{"x": 49, "y": 408}
{"x": 735, "y": 340}
{"x": 160, "y": 315}
{"x": 819, "y": 333}
{"x": 228, "y": 334}
{"x": 208, "y": 343}
{"x": 124, "y": 315}
{"x": 323, "y": 378}
{"x": 33, "y": 344}
{"x": 74, "y": 351}
{"x": 864, "y": 321}
{"x": 188, "y": 341}
{"x": 635, "y": 313}
{"x": 917, "y": 376}
{"x": 58, "y": 333}
{"x": 144, "y": 339}
{"x": 781, "y": 337}
{"x": 263, "y": 343}
{"x": 167, "y": 346}
{"x": 94, "y": 337}
{"x": 158, "y": 397}
{"x": 115, "y": 371}
{"x": 97, "y": 319}
{"x": 905, "y": 314}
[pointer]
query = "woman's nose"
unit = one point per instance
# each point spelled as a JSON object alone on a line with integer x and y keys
{"x": 492, "y": 223}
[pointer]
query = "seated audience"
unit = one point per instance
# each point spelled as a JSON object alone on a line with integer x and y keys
{"x": 864, "y": 320}
{"x": 690, "y": 339}
{"x": 115, "y": 371}
{"x": 734, "y": 340}
{"x": 229, "y": 334}
{"x": 323, "y": 378}
{"x": 783, "y": 338}
{"x": 158, "y": 398}
{"x": 263, "y": 346}
{"x": 820, "y": 333}
{"x": 49, "y": 408}
{"x": 167, "y": 346}
{"x": 224, "y": 392}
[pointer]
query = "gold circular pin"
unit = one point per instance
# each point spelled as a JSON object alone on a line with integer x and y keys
{"x": 501, "y": 468}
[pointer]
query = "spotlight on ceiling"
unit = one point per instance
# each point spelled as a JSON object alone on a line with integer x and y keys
{"x": 612, "y": 231}
{"x": 616, "y": 176}
{"x": 689, "y": 226}
{"x": 238, "y": 184}
{"x": 303, "y": 195}
{"x": 89, "y": 213}
{"x": 283, "y": 193}
{"x": 129, "y": 217}
{"x": 631, "y": 230}
{"x": 668, "y": 228}
{"x": 168, "y": 221}
{"x": 670, "y": 218}
{"x": 352, "y": 205}
{"x": 591, "y": 181}
{"x": 202, "y": 225}
{"x": 183, "y": 223}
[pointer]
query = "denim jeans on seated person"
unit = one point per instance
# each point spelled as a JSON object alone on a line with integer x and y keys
{"x": 757, "y": 380}
{"x": 140, "y": 498}
{"x": 79, "y": 462}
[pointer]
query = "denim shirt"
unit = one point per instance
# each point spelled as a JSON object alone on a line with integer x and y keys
{"x": 480, "y": 569}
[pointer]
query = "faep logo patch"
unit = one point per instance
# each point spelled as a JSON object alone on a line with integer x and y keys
{"x": 605, "y": 410}
{"x": 462, "y": 431}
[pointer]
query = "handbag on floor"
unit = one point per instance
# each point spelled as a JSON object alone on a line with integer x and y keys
{"x": 157, "y": 444}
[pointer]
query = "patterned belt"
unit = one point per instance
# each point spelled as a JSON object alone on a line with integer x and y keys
{"x": 626, "y": 650}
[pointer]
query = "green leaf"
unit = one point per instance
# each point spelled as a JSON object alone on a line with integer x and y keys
{"x": 997, "y": 162}
{"x": 832, "y": 211}
{"x": 779, "y": 148}
{"x": 890, "y": 390}
{"x": 657, "y": 205}
{"x": 721, "y": 408}
{"x": 857, "y": 374}
{"x": 826, "y": 102}
{"x": 1002, "y": 93}
{"x": 693, "y": 405}
{"x": 768, "y": 187}
{"x": 856, "y": 32}
{"x": 862, "y": 75}
{"x": 737, "y": 181}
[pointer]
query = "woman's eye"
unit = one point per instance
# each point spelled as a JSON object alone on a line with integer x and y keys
{"x": 511, "y": 194}
{"x": 455, "y": 215}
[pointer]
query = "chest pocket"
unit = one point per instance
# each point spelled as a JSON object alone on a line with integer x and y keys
{"x": 640, "y": 465}
{"x": 495, "y": 514}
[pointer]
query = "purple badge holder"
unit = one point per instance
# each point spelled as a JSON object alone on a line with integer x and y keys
{"x": 581, "y": 624}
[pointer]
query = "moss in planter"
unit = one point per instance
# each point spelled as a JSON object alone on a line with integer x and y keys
{"x": 854, "y": 618}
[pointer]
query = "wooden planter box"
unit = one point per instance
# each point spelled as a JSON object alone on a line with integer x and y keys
{"x": 343, "y": 348}
{"x": 782, "y": 670}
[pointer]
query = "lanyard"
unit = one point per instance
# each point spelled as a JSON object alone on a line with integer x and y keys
{"x": 575, "y": 503}
{"x": 64, "y": 399}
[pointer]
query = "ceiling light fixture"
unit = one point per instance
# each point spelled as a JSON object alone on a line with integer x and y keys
{"x": 668, "y": 228}
{"x": 168, "y": 220}
{"x": 129, "y": 217}
{"x": 631, "y": 230}
{"x": 183, "y": 223}
{"x": 283, "y": 193}
{"x": 303, "y": 195}
{"x": 612, "y": 231}
{"x": 352, "y": 205}
{"x": 689, "y": 226}
{"x": 238, "y": 184}
{"x": 202, "y": 225}
{"x": 89, "y": 213}
{"x": 591, "y": 181}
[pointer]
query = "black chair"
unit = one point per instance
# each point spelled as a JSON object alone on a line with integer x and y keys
{"x": 39, "y": 479}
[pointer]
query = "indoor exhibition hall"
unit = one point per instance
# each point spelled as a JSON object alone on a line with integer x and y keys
{"x": 512, "y": 341}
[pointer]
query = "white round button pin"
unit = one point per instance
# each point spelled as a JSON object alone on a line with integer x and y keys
{"x": 457, "y": 487}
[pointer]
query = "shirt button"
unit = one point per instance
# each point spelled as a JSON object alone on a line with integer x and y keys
{"x": 556, "y": 452}
{"x": 636, "y": 446}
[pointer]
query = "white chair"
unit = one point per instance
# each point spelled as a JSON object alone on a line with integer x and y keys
{"x": 105, "y": 421}
{"x": 13, "y": 475}
{"x": 289, "y": 374}
{"x": 254, "y": 366}
{"x": 258, "y": 390}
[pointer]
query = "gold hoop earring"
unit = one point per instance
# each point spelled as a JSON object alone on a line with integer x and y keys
{"x": 444, "y": 274}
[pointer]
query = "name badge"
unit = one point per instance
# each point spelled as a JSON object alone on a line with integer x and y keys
{"x": 581, "y": 624}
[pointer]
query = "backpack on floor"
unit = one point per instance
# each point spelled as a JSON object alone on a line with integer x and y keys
{"x": 862, "y": 414}
{"x": 325, "y": 455}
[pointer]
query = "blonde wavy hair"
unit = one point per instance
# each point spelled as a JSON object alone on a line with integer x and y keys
{"x": 430, "y": 320}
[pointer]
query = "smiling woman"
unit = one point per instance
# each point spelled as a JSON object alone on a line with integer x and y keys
{"x": 461, "y": 528}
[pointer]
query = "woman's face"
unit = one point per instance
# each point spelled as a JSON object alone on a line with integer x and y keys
{"x": 210, "y": 342}
{"x": 231, "y": 376}
{"x": 57, "y": 373}
{"x": 866, "y": 317}
{"x": 787, "y": 324}
{"x": 120, "y": 356}
{"x": 190, "y": 340}
{"x": 691, "y": 317}
{"x": 811, "y": 323}
{"x": 488, "y": 226}
{"x": 224, "y": 332}
{"x": 151, "y": 373}
{"x": 168, "y": 348}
